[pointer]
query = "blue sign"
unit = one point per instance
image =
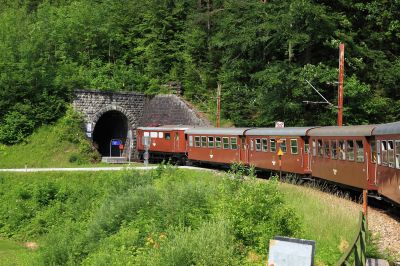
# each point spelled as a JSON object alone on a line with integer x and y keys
{"x": 115, "y": 142}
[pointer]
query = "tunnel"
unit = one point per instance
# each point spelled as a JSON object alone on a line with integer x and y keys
{"x": 112, "y": 125}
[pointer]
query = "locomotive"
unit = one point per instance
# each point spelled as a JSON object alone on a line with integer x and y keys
{"x": 359, "y": 157}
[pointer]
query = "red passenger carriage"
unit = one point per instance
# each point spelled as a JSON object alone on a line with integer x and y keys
{"x": 165, "y": 142}
{"x": 387, "y": 174}
{"x": 215, "y": 145}
{"x": 344, "y": 155}
{"x": 263, "y": 145}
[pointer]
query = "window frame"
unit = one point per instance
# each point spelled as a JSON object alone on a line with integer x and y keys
{"x": 397, "y": 153}
{"x": 218, "y": 142}
{"x": 314, "y": 147}
{"x": 264, "y": 144}
{"x": 334, "y": 149}
{"x": 358, "y": 153}
{"x": 294, "y": 146}
{"x": 320, "y": 149}
{"x": 204, "y": 141}
{"x": 258, "y": 144}
{"x": 342, "y": 150}
{"x": 272, "y": 145}
{"x": 251, "y": 144}
{"x": 197, "y": 141}
{"x": 326, "y": 148}
{"x": 350, "y": 150}
{"x": 391, "y": 154}
{"x": 231, "y": 144}
{"x": 167, "y": 135}
{"x": 283, "y": 145}
{"x": 191, "y": 141}
{"x": 210, "y": 143}
{"x": 384, "y": 152}
{"x": 223, "y": 143}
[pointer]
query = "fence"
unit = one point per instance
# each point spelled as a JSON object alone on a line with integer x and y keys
{"x": 358, "y": 246}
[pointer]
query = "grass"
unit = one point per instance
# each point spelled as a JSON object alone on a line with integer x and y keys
{"x": 159, "y": 216}
{"x": 328, "y": 219}
{"x": 53, "y": 146}
{"x": 12, "y": 253}
{"x": 41, "y": 149}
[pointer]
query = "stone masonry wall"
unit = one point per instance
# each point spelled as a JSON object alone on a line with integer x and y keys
{"x": 93, "y": 104}
{"x": 170, "y": 110}
{"x": 140, "y": 110}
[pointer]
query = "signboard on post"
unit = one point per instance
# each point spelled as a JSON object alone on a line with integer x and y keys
{"x": 285, "y": 251}
{"x": 146, "y": 144}
{"x": 114, "y": 142}
{"x": 279, "y": 124}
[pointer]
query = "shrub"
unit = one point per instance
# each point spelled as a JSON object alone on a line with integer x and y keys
{"x": 211, "y": 244}
{"x": 15, "y": 127}
{"x": 258, "y": 213}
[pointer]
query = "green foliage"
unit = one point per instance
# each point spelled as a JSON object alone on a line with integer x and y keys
{"x": 59, "y": 145}
{"x": 163, "y": 217}
{"x": 261, "y": 53}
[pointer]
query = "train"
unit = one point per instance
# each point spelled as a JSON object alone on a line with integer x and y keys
{"x": 360, "y": 157}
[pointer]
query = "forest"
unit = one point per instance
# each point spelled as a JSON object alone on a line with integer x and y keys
{"x": 262, "y": 52}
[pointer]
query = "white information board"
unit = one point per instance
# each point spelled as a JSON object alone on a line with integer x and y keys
{"x": 284, "y": 251}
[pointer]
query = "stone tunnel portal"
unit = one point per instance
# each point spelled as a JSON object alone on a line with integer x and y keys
{"x": 111, "y": 125}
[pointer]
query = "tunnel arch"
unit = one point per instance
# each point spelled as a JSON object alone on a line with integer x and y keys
{"x": 109, "y": 124}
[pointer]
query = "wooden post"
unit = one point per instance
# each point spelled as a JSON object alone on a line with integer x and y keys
{"x": 219, "y": 105}
{"x": 341, "y": 78}
{"x": 365, "y": 202}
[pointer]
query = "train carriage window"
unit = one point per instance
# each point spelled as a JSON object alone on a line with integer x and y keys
{"x": 203, "y": 141}
{"x": 272, "y": 145}
{"x": 342, "y": 150}
{"x": 176, "y": 136}
{"x": 264, "y": 145}
{"x": 190, "y": 141}
{"x": 390, "y": 153}
{"x": 293, "y": 146}
{"x": 327, "y": 152}
{"x": 384, "y": 152}
{"x": 225, "y": 143}
{"x": 218, "y": 142}
{"x": 360, "y": 151}
{"x": 320, "y": 151}
{"x": 258, "y": 144}
{"x": 334, "y": 149}
{"x": 160, "y": 135}
{"x": 378, "y": 151}
{"x": 373, "y": 151}
{"x": 398, "y": 154}
{"x": 314, "y": 148}
{"x": 306, "y": 146}
{"x": 350, "y": 150}
{"x": 233, "y": 143}
{"x": 211, "y": 142}
{"x": 251, "y": 144}
{"x": 283, "y": 145}
{"x": 197, "y": 141}
{"x": 167, "y": 136}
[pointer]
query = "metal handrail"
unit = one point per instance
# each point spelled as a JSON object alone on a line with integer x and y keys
{"x": 358, "y": 247}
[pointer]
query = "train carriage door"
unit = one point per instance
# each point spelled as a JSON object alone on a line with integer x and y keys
{"x": 305, "y": 154}
{"x": 176, "y": 141}
{"x": 371, "y": 153}
{"x": 243, "y": 150}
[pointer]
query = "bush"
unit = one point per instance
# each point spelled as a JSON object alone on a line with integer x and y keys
{"x": 15, "y": 127}
{"x": 211, "y": 244}
{"x": 257, "y": 213}
{"x": 70, "y": 128}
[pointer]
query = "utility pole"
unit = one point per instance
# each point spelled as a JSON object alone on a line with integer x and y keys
{"x": 340, "y": 89}
{"x": 218, "y": 105}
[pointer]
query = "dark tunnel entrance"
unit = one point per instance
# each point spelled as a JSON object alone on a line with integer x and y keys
{"x": 111, "y": 125}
